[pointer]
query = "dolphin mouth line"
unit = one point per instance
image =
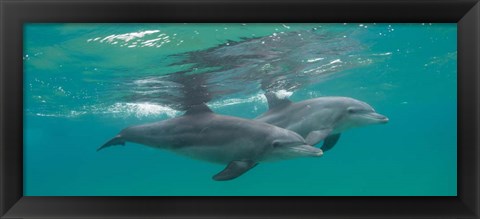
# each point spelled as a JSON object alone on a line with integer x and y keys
{"x": 377, "y": 117}
{"x": 318, "y": 152}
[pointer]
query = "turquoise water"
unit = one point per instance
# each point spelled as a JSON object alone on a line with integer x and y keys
{"x": 84, "y": 83}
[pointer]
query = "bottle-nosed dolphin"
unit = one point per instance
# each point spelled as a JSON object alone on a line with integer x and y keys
{"x": 319, "y": 119}
{"x": 202, "y": 134}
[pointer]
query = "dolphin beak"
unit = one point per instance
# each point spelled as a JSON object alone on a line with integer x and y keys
{"x": 379, "y": 117}
{"x": 308, "y": 150}
{"x": 320, "y": 152}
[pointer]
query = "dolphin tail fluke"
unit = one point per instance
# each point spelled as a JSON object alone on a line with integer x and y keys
{"x": 117, "y": 140}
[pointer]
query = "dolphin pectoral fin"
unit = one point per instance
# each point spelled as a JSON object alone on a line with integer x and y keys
{"x": 317, "y": 136}
{"x": 330, "y": 141}
{"x": 234, "y": 169}
{"x": 118, "y": 140}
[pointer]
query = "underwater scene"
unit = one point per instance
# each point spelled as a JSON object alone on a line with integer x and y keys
{"x": 240, "y": 109}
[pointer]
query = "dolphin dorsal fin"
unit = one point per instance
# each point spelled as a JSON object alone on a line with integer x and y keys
{"x": 200, "y": 108}
{"x": 274, "y": 101}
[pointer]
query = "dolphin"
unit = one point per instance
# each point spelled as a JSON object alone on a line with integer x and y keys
{"x": 201, "y": 134}
{"x": 319, "y": 119}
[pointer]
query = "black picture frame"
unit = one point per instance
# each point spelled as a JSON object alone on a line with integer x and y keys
{"x": 466, "y": 13}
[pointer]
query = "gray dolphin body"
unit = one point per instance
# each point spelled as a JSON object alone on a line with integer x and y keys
{"x": 204, "y": 135}
{"x": 320, "y": 119}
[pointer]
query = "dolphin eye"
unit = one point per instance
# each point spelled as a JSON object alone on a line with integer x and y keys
{"x": 276, "y": 144}
{"x": 351, "y": 110}
{"x": 357, "y": 110}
